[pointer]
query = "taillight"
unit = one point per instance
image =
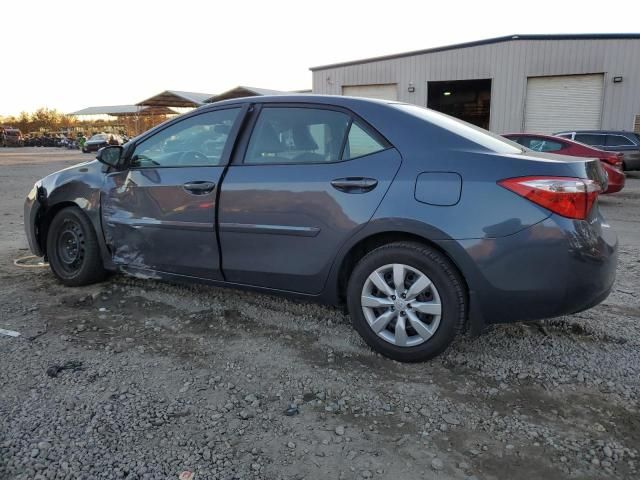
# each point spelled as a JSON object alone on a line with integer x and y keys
{"x": 566, "y": 196}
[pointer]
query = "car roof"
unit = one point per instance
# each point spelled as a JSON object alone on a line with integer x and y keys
{"x": 543, "y": 135}
{"x": 602, "y": 132}
{"x": 339, "y": 100}
{"x": 554, "y": 138}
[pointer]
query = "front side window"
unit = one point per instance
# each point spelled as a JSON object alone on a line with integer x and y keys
{"x": 297, "y": 135}
{"x": 193, "y": 142}
{"x": 590, "y": 138}
{"x": 618, "y": 141}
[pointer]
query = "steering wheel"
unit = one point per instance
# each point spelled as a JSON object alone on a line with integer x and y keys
{"x": 143, "y": 158}
{"x": 191, "y": 157}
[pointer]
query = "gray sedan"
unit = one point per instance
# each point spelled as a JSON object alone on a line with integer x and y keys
{"x": 422, "y": 225}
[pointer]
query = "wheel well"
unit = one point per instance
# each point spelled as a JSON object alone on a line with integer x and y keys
{"x": 368, "y": 244}
{"x": 45, "y": 221}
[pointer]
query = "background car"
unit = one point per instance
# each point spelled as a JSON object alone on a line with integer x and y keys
{"x": 99, "y": 140}
{"x": 12, "y": 137}
{"x": 627, "y": 143}
{"x": 611, "y": 161}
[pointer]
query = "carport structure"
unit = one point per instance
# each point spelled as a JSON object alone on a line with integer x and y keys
{"x": 123, "y": 111}
{"x": 129, "y": 115}
{"x": 242, "y": 91}
{"x": 176, "y": 99}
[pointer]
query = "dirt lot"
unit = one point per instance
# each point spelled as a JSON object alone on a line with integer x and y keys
{"x": 234, "y": 385}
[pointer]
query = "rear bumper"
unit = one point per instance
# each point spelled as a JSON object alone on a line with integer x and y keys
{"x": 631, "y": 161}
{"x": 556, "y": 267}
{"x": 616, "y": 180}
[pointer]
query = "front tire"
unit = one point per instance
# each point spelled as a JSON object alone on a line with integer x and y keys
{"x": 407, "y": 301}
{"x": 73, "y": 250}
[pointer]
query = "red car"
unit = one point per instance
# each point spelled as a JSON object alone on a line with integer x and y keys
{"x": 611, "y": 161}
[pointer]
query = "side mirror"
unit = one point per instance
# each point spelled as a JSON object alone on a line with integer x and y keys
{"x": 110, "y": 155}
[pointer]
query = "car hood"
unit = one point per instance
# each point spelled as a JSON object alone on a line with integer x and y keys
{"x": 89, "y": 172}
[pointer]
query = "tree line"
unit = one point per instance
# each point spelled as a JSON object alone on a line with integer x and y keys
{"x": 51, "y": 120}
{"x": 43, "y": 118}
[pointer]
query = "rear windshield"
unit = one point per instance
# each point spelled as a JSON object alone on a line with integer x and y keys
{"x": 477, "y": 135}
{"x": 98, "y": 137}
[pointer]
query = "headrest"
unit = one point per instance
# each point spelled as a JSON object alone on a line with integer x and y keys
{"x": 302, "y": 138}
{"x": 267, "y": 140}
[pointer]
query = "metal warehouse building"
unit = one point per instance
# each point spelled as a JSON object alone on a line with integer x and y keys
{"x": 532, "y": 83}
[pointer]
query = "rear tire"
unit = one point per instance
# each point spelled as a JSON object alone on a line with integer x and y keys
{"x": 416, "y": 319}
{"x": 73, "y": 250}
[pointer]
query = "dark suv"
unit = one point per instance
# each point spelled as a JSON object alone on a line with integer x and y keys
{"x": 628, "y": 143}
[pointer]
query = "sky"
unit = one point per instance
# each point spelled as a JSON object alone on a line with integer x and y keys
{"x": 74, "y": 54}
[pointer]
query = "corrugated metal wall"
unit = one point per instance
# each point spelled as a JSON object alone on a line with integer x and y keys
{"x": 508, "y": 64}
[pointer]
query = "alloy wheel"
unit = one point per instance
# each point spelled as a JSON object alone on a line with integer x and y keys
{"x": 401, "y": 305}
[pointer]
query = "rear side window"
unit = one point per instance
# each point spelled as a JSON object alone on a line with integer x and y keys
{"x": 360, "y": 143}
{"x": 541, "y": 144}
{"x": 564, "y": 135}
{"x": 590, "y": 139}
{"x": 618, "y": 141}
{"x": 297, "y": 135}
{"x": 477, "y": 135}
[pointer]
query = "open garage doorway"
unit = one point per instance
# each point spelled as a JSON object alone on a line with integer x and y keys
{"x": 468, "y": 100}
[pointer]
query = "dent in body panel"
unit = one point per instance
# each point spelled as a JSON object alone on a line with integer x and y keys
{"x": 151, "y": 221}
{"x": 80, "y": 185}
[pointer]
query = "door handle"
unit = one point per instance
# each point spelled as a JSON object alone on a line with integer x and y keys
{"x": 354, "y": 184}
{"x": 199, "y": 187}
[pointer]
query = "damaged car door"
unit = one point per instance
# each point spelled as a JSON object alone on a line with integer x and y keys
{"x": 159, "y": 212}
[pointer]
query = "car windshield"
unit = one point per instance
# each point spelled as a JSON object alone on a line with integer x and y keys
{"x": 98, "y": 137}
{"x": 474, "y": 134}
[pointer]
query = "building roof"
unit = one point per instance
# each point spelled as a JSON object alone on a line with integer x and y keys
{"x": 488, "y": 41}
{"x": 124, "y": 110}
{"x": 176, "y": 98}
{"x": 242, "y": 91}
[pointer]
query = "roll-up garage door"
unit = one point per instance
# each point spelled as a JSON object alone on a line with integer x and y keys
{"x": 571, "y": 102}
{"x": 388, "y": 91}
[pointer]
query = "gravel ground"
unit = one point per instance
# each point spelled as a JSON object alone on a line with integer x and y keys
{"x": 160, "y": 379}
